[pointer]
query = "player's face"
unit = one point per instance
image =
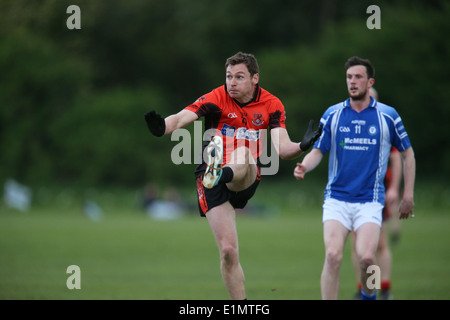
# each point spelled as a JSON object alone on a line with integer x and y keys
{"x": 358, "y": 83}
{"x": 240, "y": 84}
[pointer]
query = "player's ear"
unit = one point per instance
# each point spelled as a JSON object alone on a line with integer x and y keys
{"x": 255, "y": 79}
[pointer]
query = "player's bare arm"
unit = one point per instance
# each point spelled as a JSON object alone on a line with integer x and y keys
{"x": 287, "y": 149}
{"x": 309, "y": 163}
{"x": 179, "y": 120}
{"x": 392, "y": 191}
{"x": 409, "y": 175}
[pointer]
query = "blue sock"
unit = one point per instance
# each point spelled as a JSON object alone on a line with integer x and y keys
{"x": 367, "y": 296}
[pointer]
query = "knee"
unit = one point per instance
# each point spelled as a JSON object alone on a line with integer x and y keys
{"x": 367, "y": 260}
{"x": 333, "y": 259}
{"x": 229, "y": 255}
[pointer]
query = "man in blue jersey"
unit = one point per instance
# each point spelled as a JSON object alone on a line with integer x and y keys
{"x": 358, "y": 133}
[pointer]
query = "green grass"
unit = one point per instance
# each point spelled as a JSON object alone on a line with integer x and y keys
{"x": 127, "y": 255}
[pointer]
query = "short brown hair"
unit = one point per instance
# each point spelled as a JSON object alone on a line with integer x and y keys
{"x": 246, "y": 58}
{"x": 357, "y": 61}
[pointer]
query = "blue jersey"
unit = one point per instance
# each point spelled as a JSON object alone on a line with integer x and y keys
{"x": 359, "y": 146}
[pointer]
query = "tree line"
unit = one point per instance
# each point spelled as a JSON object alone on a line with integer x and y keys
{"x": 72, "y": 101}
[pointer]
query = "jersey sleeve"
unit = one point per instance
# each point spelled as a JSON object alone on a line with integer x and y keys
{"x": 205, "y": 104}
{"x": 324, "y": 141}
{"x": 400, "y": 137}
{"x": 277, "y": 115}
{"x": 397, "y": 131}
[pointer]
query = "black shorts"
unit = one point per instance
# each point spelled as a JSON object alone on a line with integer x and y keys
{"x": 210, "y": 198}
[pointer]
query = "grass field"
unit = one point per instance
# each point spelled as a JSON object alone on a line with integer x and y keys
{"x": 127, "y": 255}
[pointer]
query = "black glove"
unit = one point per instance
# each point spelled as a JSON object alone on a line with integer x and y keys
{"x": 155, "y": 123}
{"x": 310, "y": 136}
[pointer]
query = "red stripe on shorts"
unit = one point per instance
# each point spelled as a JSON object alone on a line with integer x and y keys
{"x": 201, "y": 195}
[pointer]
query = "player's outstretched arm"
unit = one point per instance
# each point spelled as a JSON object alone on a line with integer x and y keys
{"x": 310, "y": 136}
{"x": 287, "y": 149}
{"x": 155, "y": 123}
{"x": 159, "y": 126}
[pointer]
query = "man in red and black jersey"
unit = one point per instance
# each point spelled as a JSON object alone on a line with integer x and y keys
{"x": 237, "y": 117}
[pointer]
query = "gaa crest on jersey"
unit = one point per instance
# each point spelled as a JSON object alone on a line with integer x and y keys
{"x": 258, "y": 119}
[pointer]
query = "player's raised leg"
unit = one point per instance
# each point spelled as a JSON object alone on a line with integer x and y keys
{"x": 239, "y": 173}
{"x": 214, "y": 160}
{"x": 244, "y": 169}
